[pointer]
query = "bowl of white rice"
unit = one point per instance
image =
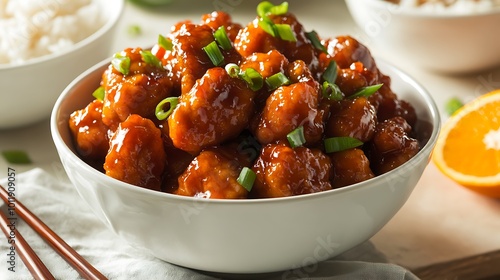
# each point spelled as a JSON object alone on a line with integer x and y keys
{"x": 446, "y": 36}
{"x": 44, "y": 45}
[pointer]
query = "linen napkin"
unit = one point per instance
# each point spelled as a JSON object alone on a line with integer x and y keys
{"x": 56, "y": 202}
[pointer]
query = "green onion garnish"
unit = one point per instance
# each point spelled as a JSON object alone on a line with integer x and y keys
{"x": 134, "y": 30}
{"x": 99, "y": 93}
{"x": 263, "y": 8}
{"x": 366, "y": 91}
{"x": 221, "y": 37}
{"x": 150, "y": 59}
{"x": 253, "y": 78}
{"x": 280, "y": 9}
{"x": 275, "y": 81}
{"x": 214, "y": 53}
{"x": 453, "y": 105}
{"x": 16, "y": 157}
{"x": 332, "y": 91}
{"x": 267, "y": 25}
{"x": 267, "y": 8}
{"x": 315, "y": 41}
{"x": 246, "y": 178}
{"x": 296, "y": 138}
{"x": 285, "y": 32}
{"x": 337, "y": 144}
{"x": 121, "y": 63}
{"x": 160, "y": 112}
{"x": 233, "y": 70}
{"x": 165, "y": 43}
{"x": 330, "y": 74}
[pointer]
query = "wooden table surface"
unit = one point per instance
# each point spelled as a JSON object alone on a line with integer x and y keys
{"x": 443, "y": 231}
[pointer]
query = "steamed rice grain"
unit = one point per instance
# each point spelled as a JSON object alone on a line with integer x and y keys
{"x": 34, "y": 28}
{"x": 450, "y": 6}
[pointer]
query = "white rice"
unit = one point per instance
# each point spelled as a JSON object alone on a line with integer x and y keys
{"x": 34, "y": 28}
{"x": 452, "y": 6}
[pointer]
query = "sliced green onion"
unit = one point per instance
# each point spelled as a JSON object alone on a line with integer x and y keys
{"x": 337, "y": 144}
{"x": 330, "y": 74}
{"x": 332, "y": 91}
{"x": 99, "y": 93}
{"x": 165, "y": 43}
{"x": 233, "y": 70}
{"x": 221, "y": 37}
{"x": 214, "y": 53}
{"x": 280, "y": 9}
{"x": 253, "y": 78}
{"x": 160, "y": 112}
{"x": 285, "y": 32}
{"x": 246, "y": 178}
{"x": 134, "y": 30}
{"x": 366, "y": 91}
{"x": 296, "y": 138}
{"x": 275, "y": 81}
{"x": 453, "y": 105}
{"x": 315, "y": 41}
{"x": 265, "y": 8}
{"x": 16, "y": 157}
{"x": 150, "y": 59}
{"x": 267, "y": 25}
{"x": 121, "y": 63}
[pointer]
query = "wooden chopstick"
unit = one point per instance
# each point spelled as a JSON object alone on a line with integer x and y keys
{"x": 84, "y": 268}
{"x": 36, "y": 267}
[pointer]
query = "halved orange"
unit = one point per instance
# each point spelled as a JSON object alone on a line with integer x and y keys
{"x": 468, "y": 147}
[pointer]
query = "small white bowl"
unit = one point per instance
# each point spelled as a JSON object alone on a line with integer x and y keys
{"x": 244, "y": 236}
{"x": 442, "y": 42}
{"x": 29, "y": 90}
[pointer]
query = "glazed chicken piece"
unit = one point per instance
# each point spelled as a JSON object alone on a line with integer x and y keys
{"x": 358, "y": 69}
{"x": 391, "y": 146}
{"x": 346, "y": 50}
{"x": 267, "y": 64}
{"x": 188, "y": 43}
{"x": 187, "y": 61}
{"x": 350, "y": 81}
{"x": 284, "y": 171}
{"x": 216, "y": 109}
{"x": 350, "y": 167}
{"x": 217, "y": 19}
{"x": 137, "y": 92}
{"x": 389, "y": 105}
{"x": 191, "y": 61}
{"x": 90, "y": 134}
{"x": 353, "y": 118}
{"x": 136, "y": 155}
{"x": 213, "y": 174}
{"x": 291, "y": 106}
{"x": 253, "y": 39}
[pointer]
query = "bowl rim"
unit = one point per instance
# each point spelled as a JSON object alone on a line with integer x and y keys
{"x": 416, "y": 13}
{"x": 425, "y": 151}
{"x": 110, "y": 22}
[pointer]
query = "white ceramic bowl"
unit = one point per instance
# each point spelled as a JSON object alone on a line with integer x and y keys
{"x": 29, "y": 90}
{"x": 243, "y": 236}
{"x": 447, "y": 43}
